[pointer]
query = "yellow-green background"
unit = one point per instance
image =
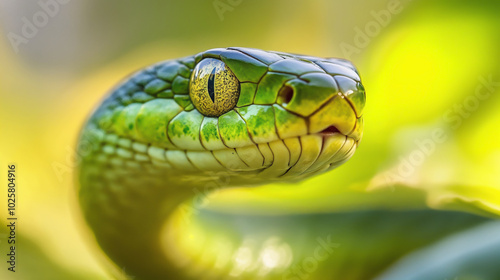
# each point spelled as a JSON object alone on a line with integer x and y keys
{"x": 427, "y": 59}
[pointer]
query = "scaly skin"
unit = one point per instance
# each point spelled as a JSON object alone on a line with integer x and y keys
{"x": 148, "y": 153}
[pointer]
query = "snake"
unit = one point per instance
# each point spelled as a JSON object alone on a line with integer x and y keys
{"x": 174, "y": 132}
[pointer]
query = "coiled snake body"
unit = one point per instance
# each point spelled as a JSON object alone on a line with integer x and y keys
{"x": 238, "y": 117}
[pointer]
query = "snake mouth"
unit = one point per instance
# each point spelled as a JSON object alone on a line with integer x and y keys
{"x": 330, "y": 130}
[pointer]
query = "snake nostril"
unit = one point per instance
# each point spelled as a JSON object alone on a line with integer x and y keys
{"x": 285, "y": 95}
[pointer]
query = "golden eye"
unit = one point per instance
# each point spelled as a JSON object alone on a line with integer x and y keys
{"x": 214, "y": 89}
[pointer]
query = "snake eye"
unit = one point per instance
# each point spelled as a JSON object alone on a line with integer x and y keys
{"x": 214, "y": 89}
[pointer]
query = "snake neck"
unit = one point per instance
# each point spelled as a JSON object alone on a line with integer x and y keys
{"x": 127, "y": 208}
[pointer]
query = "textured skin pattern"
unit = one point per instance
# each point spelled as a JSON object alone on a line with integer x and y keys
{"x": 150, "y": 116}
{"x": 147, "y": 150}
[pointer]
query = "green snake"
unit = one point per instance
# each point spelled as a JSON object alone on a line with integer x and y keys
{"x": 226, "y": 118}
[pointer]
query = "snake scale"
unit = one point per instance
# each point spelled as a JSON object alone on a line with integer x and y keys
{"x": 236, "y": 117}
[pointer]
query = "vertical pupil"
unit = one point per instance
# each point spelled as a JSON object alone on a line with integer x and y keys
{"x": 211, "y": 85}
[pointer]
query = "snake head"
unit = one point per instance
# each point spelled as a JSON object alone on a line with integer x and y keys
{"x": 252, "y": 113}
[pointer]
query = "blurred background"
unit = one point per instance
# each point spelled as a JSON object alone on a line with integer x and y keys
{"x": 430, "y": 67}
